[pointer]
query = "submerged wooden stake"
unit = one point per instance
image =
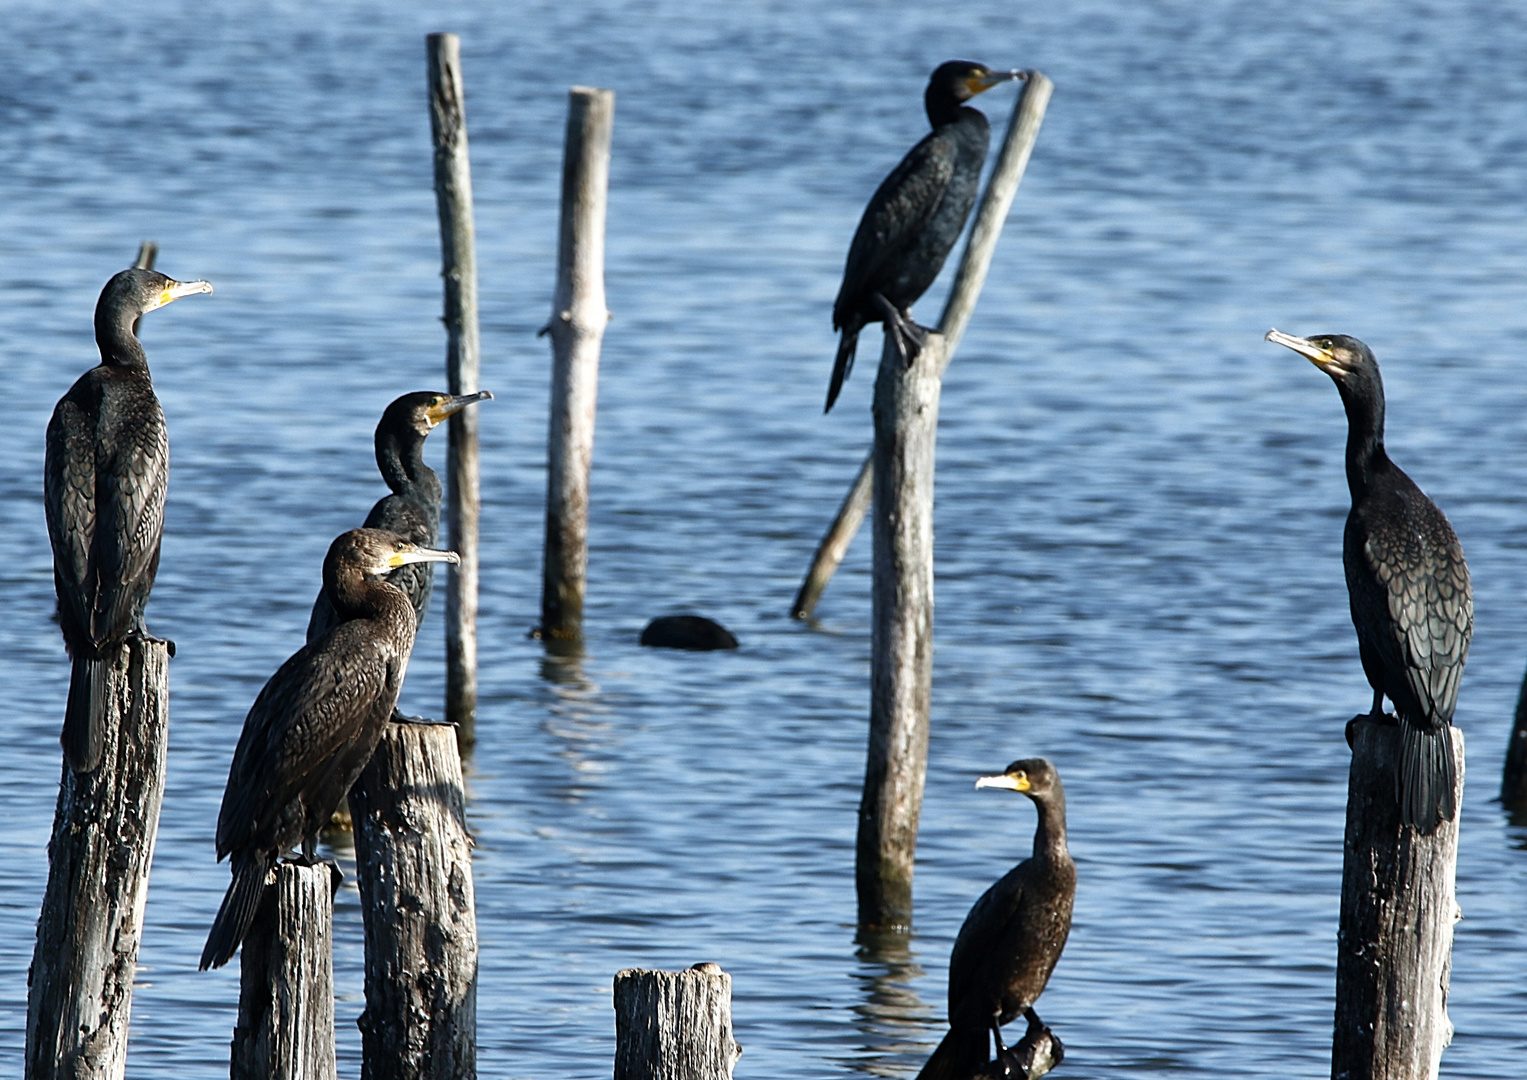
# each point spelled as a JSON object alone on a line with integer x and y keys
{"x": 458, "y": 250}
{"x": 1012, "y": 160}
{"x": 81, "y": 979}
{"x": 148, "y": 251}
{"x": 413, "y": 861}
{"x": 901, "y": 635}
{"x": 1513, "y": 784}
{"x": 1394, "y": 949}
{"x": 674, "y": 1025}
{"x": 577, "y": 325}
{"x": 286, "y": 980}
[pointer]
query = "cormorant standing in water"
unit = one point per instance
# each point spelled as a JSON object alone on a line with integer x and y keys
{"x": 1012, "y": 937}
{"x": 315, "y": 724}
{"x": 104, "y": 481}
{"x": 914, "y": 218}
{"x": 1407, "y": 583}
{"x": 413, "y": 509}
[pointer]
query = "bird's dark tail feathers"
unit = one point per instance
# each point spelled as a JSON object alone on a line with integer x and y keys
{"x": 237, "y": 912}
{"x": 959, "y": 1056}
{"x": 84, "y": 734}
{"x": 848, "y": 344}
{"x": 1427, "y": 776}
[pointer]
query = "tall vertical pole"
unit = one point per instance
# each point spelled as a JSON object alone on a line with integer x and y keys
{"x": 901, "y": 634}
{"x": 577, "y": 328}
{"x": 81, "y": 981}
{"x": 1394, "y": 950}
{"x": 453, "y": 198}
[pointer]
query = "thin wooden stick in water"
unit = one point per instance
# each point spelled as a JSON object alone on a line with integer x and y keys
{"x": 458, "y": 249}
{"x": 1012, "y": 160}
{"x": 148, "y": 251}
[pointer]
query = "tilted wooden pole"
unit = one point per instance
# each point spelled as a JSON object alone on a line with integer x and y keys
{"x": 413, "y": 860}
{"x": 98, "y": 865}
{"x": 1513, "y": 784}
{"x": 458, "y": 250}
{"x": 1012, "y": 160}
{"x": 674, "y": 1025}
{"x": 577, "y": 327}
{"x": 148, "y": 251}
{"x": 286, "y": 980}
{"x": 1395, "y": 946}
{"x": 901, "y": 635}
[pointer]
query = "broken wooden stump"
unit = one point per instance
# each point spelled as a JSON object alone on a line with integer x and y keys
{"x": 674, "y": 1025}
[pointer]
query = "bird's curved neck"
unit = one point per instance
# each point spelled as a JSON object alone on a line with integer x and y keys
{"x": 944, "y": 110}
{"x": 1050, "y": 836}
{"x": 1365, "y": 437}
{"x": 400, "y": 457}
{"x": 118, "y": 343}
{"x": 356, "y": 596}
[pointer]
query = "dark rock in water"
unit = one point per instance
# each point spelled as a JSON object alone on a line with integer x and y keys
{"x": 693, "y": 632}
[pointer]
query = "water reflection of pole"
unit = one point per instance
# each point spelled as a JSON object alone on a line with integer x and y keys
{"x": 892, "y": 1019}
{"x": 901, "y": 635}
{"x": 458, "y": 250}
{"x": 1012, "y": 160}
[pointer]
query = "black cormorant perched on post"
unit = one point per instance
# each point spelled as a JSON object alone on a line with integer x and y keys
{"x": 915, "y": 216}
{"x": 1012, "y": 937}
{"x": 413, "y": 509}
{"x": 315, "y": 724}
{"x": 107, "y": 469}
{"x": 1407, "y": 583}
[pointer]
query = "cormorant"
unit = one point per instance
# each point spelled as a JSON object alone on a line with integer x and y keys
{"x": 1011, "y": 939}
{"x": 914, "y": 218}
{"x": 413, "y": 509}
{"x": 315, "y": 724}
{"x": 1407, "y": 584}
{"x": 106, "y": 471}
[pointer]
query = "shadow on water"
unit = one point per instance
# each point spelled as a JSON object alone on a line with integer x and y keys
{"x": 892, "y": 1019}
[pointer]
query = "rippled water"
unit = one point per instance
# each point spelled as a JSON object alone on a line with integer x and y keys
{"x": 1139, "y": 504}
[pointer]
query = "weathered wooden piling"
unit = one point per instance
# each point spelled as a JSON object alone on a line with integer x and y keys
{"x": 286, "y": 980}
{"x": 81, "y": 979}
{"x": 1394, "y": 948}
{"x": 413, "y": 858}
{"x": 458, "y": 251}
{"x": 674, "y": 1025}
{"x": 1513, "y": 784}
{"x": 901, "y": 636}
{"x": 148, "y": 251}
{"x": 1012, "y": 160}
{"x": 577, "y": 325}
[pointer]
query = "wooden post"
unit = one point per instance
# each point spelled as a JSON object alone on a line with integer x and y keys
{"x": 1394, "y": 948}
{"x": 674, "y": 1025}
{"x": 1513, "y": 785}
{"x": 901, "y": 635}
{"x": 148, "y": 251}
{"x": 458, "y": 251}
{"x": 577, "y": 327}
{"x": 413, "y": 859}
{"x": 286, "y": 980}
{"x": 81, "y": 979}
{"x": 1012, "y": 160}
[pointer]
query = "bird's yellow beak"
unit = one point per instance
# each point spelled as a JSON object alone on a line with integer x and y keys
{"x": 435, "y": 414}
{"x": 1018, "y": 781}
{"x": 176, "y": 289}
{"x": 979, "y": 84}
{"x": 411, "y": 554}
{"x": 1320, "y": 357}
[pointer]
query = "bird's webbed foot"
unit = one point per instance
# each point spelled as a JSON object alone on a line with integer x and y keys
{"x": 1039, "y": 1051}
{"x": 908, "y": 337}
{"x": 422, "y": 721}
{"x": 149, "y": 639}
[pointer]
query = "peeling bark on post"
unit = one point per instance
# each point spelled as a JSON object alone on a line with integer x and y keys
{"x": 81, "y": 978}
{"x": 577, "y": 325}
{"x": 458, "y": 250}
{"x": 1394, "y": 950}
{"x": 413, "y": 858}
{"x": 1012, "y": 160}
{"x": 901, "y": 634}
{"x": 286, "y": 980}
{"x": 674, "y": 1025}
